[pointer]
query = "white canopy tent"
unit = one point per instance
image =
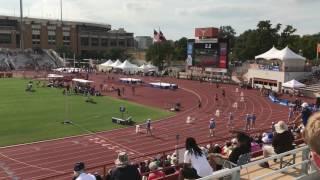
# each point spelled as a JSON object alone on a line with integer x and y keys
{"x": 68, "y": 70}
{"x": 55, "y": 76}
{"x": 107, "y": 63}
{"x": 269, "y": 54}
{"x": 284, "y": 55}
{"x": 287, "y": 54}
{"x": 293, "y": 84}
{"x": 126, "y": 66}
{"x": 116, "y": 63}
{"x": 83, "y": 81}
{"x": 105, "y": 66}
{"x": 144, "y": 68}
{"x": 152, "y": 67}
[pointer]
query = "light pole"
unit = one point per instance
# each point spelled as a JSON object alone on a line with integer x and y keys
{"x": 21, "y": 25}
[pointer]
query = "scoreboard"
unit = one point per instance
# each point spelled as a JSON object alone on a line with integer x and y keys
{"x": 210, "y": 53}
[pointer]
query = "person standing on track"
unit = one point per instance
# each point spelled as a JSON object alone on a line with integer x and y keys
{"x": 230, "y": 120}
{"x": 212, "y": 126}
{"x": 148, "y": 126}
{"x": 247, "y": 118}
{"x": 217, "y": 99}
{"x": 199, "y": 104}
{"x": 253, "y": 121}
{"x": 290, "y": 114}
{"x": 223, "y": 93}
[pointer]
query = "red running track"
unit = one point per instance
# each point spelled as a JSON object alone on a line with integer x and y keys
{"x": 43, "y": 159}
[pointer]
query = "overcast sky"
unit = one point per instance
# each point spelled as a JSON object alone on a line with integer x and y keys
{"x": 176, "y": 18}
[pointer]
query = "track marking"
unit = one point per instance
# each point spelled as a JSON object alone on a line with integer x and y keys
{"x": 30, "y": 165}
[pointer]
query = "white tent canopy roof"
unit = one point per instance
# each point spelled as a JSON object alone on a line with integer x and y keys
{"x": 143, "y": 67}
{"x": 116, "y": 63}
{"x": 269, "y": 54}
{"x": 293, "y": 84}
{"x": 127, "y": 65}
{"x": 288, "y": 54}
{"x": 107, "y": 63}
{"x": 284, "y": 55}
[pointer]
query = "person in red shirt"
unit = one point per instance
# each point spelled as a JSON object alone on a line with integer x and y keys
{"x": 156, "y": 174}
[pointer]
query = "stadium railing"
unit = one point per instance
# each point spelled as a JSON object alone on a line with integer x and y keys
{"x": 234, "y": 173}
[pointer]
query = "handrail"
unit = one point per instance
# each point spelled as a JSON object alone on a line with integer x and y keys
{"x": 235, "y": 172}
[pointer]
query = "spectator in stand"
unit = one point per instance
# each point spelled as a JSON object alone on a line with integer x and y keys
{"x": 305, "y": 114}
{"x": 216, "y": 159}
{"x": 290, "y": 114}
{"x": 311, "y": 136}
{"x": 155, "y": 174}
{"x": 123, "y": 170}
{"x": 243, "y": 147}
{"x": 195, "y": 163}
{"x": 227, "y": 149}
{"x": 80, "y": 174}
{"x": 282, "y": 141}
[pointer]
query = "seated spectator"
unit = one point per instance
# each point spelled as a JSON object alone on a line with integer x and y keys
{"x": 243, "y": 147}
{"x": 143, "y": 167}
{"x": 80, "y": 174}
{"x": 155, "y": 173}
{"x": 123, "y": 170}
{"x": 227, "y": 149}
{"x": 311, "y": 136}
{"x": 216, "y": 159}
{"x": 282, "y": 141}
{"x": 195, "y": 163}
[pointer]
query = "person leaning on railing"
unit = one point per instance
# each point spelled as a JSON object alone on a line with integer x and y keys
{"x": 311, "y": 136}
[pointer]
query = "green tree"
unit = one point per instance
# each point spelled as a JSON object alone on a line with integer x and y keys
{"x": 160, "y": 54}
{"x": 180, "y": 49}
{"x": 227, "y": 32}
{"x": 287, "y": 37}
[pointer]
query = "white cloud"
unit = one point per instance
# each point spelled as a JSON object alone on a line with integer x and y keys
{"x": 176, "y": 18}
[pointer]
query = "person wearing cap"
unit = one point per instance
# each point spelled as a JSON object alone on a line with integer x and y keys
{"x": 153, "y": 166}
{"x": 80, "y": 174}
{"x": 311, "y": 135}
{"x": 123, "y": 170}
{"x": 212, "y": 126}
{"x": 282, "y": 141}
{"x": 305, "y": 114}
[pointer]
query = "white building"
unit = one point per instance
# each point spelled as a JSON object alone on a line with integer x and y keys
{"x": 275, "y": 67}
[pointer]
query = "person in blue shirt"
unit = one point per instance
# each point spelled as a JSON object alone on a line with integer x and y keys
{"x": 248, "y": 121}
{"x": 212, "y": 126}
{"x": 253, "y": 121}
{"x": 305, "y": 114}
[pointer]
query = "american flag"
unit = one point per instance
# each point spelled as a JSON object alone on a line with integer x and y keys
{"x": 158, "y": 37}
{"x": 155, "y": 36}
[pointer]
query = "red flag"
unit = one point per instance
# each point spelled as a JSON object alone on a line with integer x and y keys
{"x": 318, "y": 48}
{"x": 161, "y": 36}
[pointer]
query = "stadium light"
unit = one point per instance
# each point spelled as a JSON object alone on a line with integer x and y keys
{"x": 21, "y": 25}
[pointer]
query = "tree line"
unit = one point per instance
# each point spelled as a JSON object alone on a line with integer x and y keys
{"x": 244, "y": 46}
